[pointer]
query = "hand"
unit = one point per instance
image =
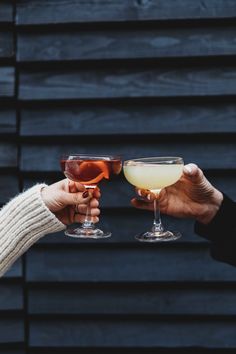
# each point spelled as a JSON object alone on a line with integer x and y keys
{"x": 192, "y": 196}
{"x": 69, "y": 200}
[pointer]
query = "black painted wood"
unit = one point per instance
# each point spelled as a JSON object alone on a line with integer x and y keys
{"x": 138, "y": 263}
{"x": 7, "y": 82}
{"x": 220, "y": 155}
{"x": 128, "y": 119}
{"x": 7, "y": 121}
{"x": 6, "y": 44}
{"x": 125, "y": 333}
{"x": 79, "y": 11}
{"x": 8, "y": 154}
{"x": 15, "y": 271}
{"x": 8, "y": 187}
{"x": 11, "y": 330}
{"x": 123, "y": 82}
{"x": 87, "y": 71}
{"x": 127, "y": 300}
{"x": 6, "y": 11}
{"x": 11, "y": 297}
{"x": 121, "y": 44}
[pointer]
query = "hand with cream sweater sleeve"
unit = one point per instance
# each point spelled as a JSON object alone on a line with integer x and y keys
{"x": 39, "y": 211}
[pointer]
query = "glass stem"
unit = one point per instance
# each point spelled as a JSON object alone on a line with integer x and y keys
{"x": 157, "y": 224}
{"x": 88, "y": 224}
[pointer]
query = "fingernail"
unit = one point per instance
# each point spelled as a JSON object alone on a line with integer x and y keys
{"x": 149, "y": 196}
{"x": 85, "y": 194}
{"x": 139, "y": 193}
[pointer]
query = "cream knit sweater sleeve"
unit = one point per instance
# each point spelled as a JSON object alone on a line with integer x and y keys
{"x": 23, "y": 221}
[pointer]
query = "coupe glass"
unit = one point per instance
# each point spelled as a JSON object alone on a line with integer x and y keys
{"x": 154, "y": 174}
{"x": 89, "y": 170}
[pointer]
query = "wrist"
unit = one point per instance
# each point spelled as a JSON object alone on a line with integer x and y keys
{"x": 211, "y": 208}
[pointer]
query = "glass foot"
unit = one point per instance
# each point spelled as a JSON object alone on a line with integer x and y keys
{"x": 163, "y": 236}
{"x": 87, "y": 233}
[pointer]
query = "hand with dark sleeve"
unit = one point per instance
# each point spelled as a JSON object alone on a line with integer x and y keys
{"x": 193, "y": 196}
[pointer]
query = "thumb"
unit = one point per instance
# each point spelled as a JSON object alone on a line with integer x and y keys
{"x": 193, "y": 172}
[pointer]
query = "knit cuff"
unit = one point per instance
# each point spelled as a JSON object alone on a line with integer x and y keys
{"x": 23, "y": 221}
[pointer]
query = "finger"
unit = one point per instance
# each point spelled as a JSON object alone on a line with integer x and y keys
{"x": 82, "y": 209}
{"x": 76, "y": 198}
{"x": 146, "y": 194}
{"x": 94, "y": 203}
{"x": 81, "y": 218}
{"x": 96, "y": 193}
{"x": 76, "y": 187}
{"x": 141, "y": 204}
{"x": 193, "y": 171}
{"x": 142, "y": 192}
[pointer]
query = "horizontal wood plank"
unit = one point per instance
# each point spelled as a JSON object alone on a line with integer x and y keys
{"x": 7, "y": 121}
{"x": 11, "y": 330}
{"x": 127, "y": 333}
{"x": 11, "y": 297}
{"x": 7, "y": 80}
{"x": 9, "y": 187}
{"x": 6, "y": 44}
{"x": 95, "y": 120}
{"x": 138, "y": 263}
{"x": 15, "y": 271}
{"x": 6, "y": 11}
{"x": 121, "y": 44}
{"x": 59, "y": 11}
{"x": 208, "y": 155}
{"x": 8, "y": 154}
{"x": 132, "y": 300}
{"x": 123, "y": 83}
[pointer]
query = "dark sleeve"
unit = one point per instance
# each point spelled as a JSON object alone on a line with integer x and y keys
{"x": 221, "y": 232}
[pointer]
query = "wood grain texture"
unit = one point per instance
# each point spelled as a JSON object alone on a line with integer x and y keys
{"x": 126, "y": 299}
{"x": 126, "y": 44}
{"x": 123, "y": 83}
{"x": 125, "y": 333}
{"x": 138, "y": 263}
{"x": 219, "y": 155}
{"x": 7, "y": 80}
{"x": 7, "y": 121}
{"x": 127, "y": 119}
{"x": 8, "y": 154}
{"x": 79, "y": 11}
{"x": 6, "y": 11}
{"x": 6, "y": 44}
{"x": 11, "y": 297}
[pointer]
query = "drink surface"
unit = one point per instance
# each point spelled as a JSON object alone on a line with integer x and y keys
{"x": 153, "y": 176}
{"x": 91, "y": 171}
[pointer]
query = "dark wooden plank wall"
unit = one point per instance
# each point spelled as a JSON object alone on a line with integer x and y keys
{"x": 136, "y": 77}
{"x": 12, "y": 314}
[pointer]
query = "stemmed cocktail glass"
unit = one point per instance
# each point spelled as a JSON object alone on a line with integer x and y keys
{"x": 154, "y": 174}
{"x": 89, "y": 170}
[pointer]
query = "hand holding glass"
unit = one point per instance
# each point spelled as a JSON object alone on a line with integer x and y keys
{"x": 89, "y": 170}
{"x": 154, "y": 174}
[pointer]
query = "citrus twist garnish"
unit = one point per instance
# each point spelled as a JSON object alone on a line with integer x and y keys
{"x": 99, "y": 170}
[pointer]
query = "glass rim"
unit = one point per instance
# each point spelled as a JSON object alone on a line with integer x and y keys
{"x": 157, "y": 159}
{"x": 91, "y": 156}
